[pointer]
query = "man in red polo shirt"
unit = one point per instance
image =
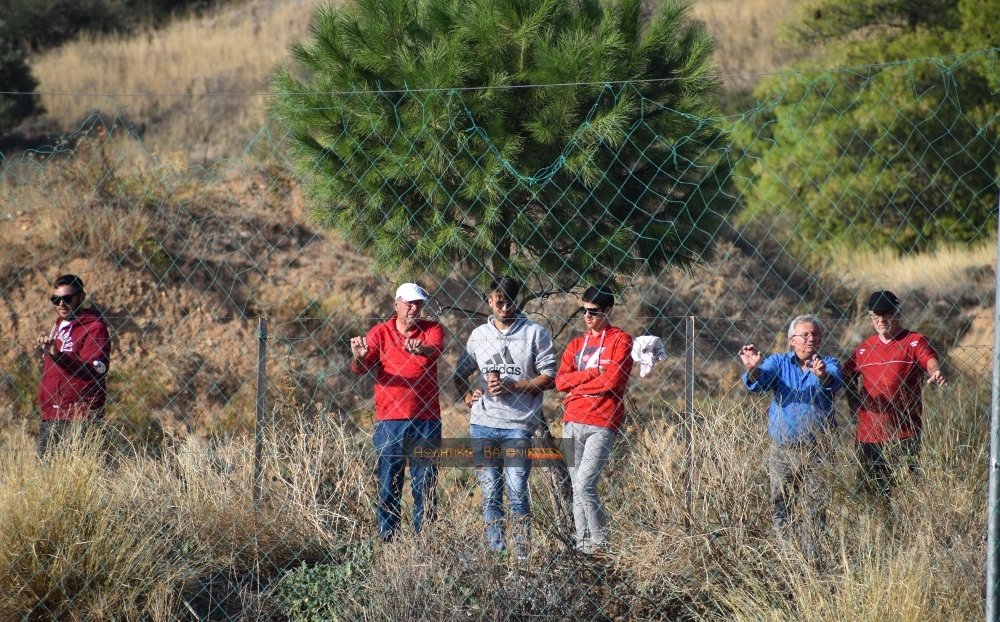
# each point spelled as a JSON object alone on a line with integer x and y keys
{"x": 403, "y": 352}
{"x": 890, "y": 366}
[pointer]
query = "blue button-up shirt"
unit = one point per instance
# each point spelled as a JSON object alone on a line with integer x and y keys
{"x": 801, "y": 406}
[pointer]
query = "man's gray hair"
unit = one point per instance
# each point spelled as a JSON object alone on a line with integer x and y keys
{"x": 802, "y": 319}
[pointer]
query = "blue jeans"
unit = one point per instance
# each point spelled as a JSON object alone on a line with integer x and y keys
{"x": 494, "y": 464}
{"x": 395, "y": 440}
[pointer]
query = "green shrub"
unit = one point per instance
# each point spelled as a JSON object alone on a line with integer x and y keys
{"x": 329, "y": 591}
{"x": 18, "y": 101}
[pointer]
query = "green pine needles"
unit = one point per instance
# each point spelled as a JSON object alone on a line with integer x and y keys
{"x": 574, "y": 140}
{"x": 898, "y": 150}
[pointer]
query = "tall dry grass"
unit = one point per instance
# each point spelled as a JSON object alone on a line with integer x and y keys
{"x": 86, "y": 199}
{"x": 749, "y": 38}
{"x": 199, "y": 86}
{"x": 134, "y": 538}
{"x": 85, "y": 538}
{"x": 946, "y": 271}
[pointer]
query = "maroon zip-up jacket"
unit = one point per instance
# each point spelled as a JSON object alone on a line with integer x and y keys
{"x": 73, "y": 381}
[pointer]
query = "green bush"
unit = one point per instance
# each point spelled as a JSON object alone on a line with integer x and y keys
{"x": 18, "y": 101}
{"x": 330, "y": 591}
{"x": 898, "y": 151}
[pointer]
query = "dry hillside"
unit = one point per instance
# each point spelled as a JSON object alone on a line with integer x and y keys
{"x": 187, "y": 228}
{"x": 179, "y": 214}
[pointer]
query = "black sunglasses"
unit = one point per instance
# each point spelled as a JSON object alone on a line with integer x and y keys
{"x": 593, "y": 312}
{"x": 64, "y": 299}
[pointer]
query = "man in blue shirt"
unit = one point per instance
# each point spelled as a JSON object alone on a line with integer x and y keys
{"x": 803, "y": 385}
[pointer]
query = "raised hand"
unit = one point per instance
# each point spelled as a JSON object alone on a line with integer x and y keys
{"x": 414, "y": 346}
{"x": 359, "y": 347}
{"x": 751, "y": 357}
{"x": 47, "y": 345}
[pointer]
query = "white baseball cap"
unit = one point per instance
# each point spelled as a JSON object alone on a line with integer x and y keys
{"x": 411, "y": 292}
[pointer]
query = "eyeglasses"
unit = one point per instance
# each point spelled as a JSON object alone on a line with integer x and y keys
{"x": 804, "y": 336}
{"x": 593, "y": 311}
{"x": 56, "y": 300}
{"x": 888, "y": 315}
{"x": 503, "y": 303}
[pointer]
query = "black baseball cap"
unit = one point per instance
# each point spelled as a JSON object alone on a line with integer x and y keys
{"x": 883, "y": 302}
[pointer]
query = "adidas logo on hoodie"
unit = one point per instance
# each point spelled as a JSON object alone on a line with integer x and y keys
{"x": 502, "y": 362}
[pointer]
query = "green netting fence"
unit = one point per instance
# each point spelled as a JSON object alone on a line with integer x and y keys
{"x": 233, "y": 477}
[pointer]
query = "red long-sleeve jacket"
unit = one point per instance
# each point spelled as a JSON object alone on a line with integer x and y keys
{"x": 406, "y": 385}
{"x": 595, "y": 371}
{"x": 73, "y": 381}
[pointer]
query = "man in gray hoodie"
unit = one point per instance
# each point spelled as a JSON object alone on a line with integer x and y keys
{"x": 516, "y": 364}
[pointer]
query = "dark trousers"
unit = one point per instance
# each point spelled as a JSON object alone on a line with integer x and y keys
{"x": 880, "y": 462}
{"x": 53, "y": 432}
{"x": 396, "y": 442}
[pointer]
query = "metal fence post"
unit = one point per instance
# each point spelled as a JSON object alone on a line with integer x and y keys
{"x": 689, "y": 416}
{"x": 993, "y": 529}
{"x": 258, "y": 449}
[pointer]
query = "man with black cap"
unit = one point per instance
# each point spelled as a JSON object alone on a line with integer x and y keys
{"x": 890, "y": 366}
{"x": 403, "y": 353}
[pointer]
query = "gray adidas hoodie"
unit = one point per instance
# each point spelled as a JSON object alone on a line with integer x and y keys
{"x": 521, "y": 352}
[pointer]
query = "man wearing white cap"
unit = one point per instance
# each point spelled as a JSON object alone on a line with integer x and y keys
{"x": 403, "y": 352}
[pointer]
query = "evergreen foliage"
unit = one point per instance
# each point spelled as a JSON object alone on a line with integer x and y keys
{"x": 18, "y": 100}
{"x": 497, "y": 135}
{"x": 892, "y": 154}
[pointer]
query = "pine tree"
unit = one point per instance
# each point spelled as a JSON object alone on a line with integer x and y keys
{"x": 526, "y": 137}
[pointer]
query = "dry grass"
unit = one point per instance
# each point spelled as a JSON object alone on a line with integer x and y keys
{"x": 160, "y": 540}
{"x": 199, "y": 86}
{"x": 139, "y": 539}
{"x": 748, "y": 36}
{"x": 947, "y": 271}
{"x": 90, "y": 202}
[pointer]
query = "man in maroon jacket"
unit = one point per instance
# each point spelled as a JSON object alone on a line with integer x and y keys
{"x": 76, "y": 355}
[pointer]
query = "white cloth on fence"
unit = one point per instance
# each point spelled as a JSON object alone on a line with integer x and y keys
{"x": 648, "y": 351}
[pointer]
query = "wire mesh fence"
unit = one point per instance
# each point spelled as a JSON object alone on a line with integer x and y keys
{"x": 234, "y": 474}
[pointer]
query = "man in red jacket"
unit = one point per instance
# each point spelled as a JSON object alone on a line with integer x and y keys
{"x": 76, "y": 355}
{"x": 594, "y": 372}
{"x": 403, "y": 353}
{"x": 890, "y": 366}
